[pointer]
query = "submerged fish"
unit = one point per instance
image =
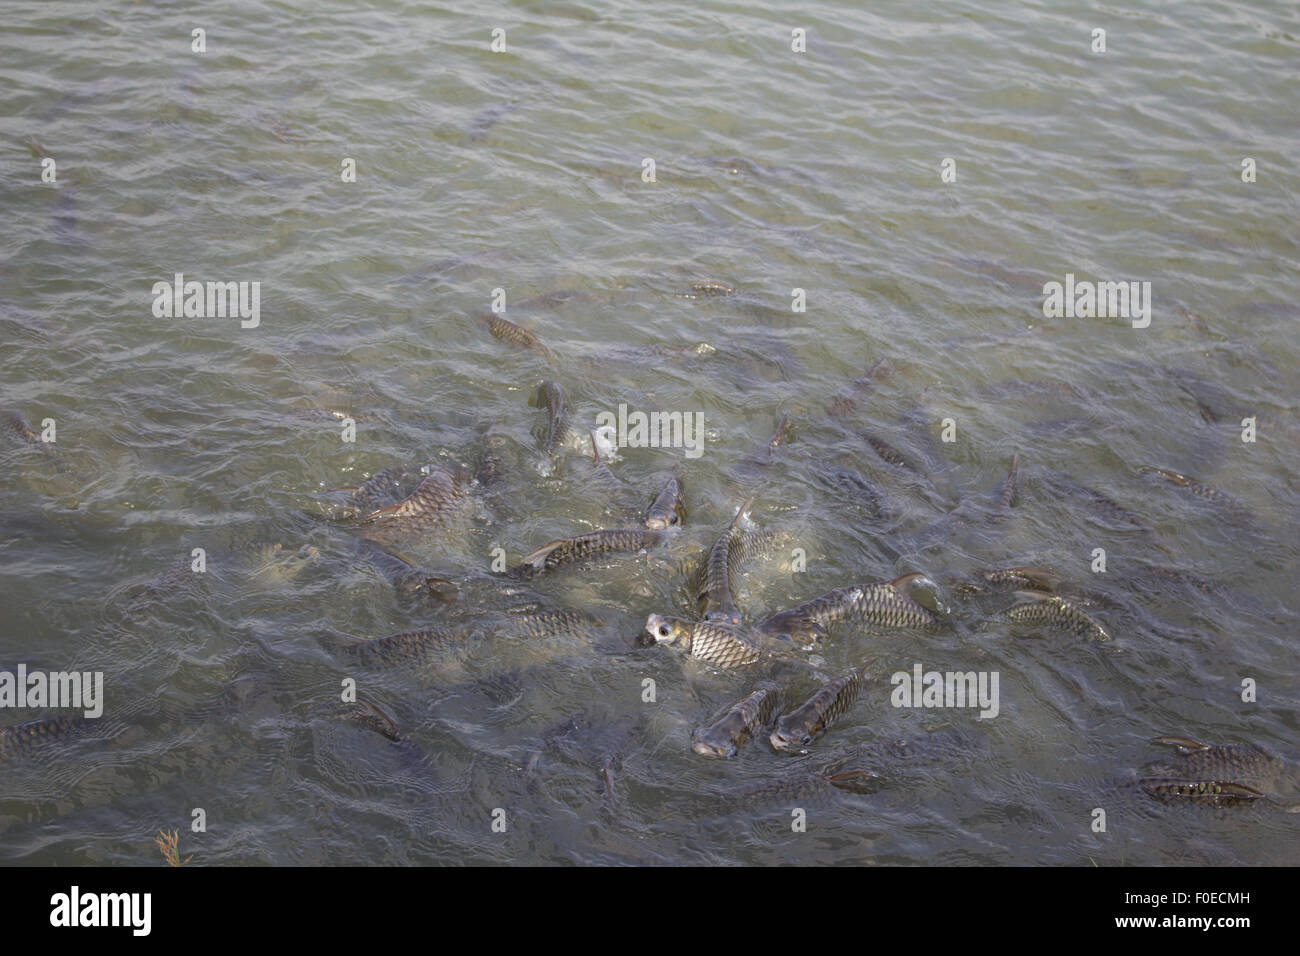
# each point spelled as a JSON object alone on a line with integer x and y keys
{"x": 552, "y": 622}
{"x": 668, "y": 509}
{"x": 1217, "y": 775}
{"x": 711, "y": 642}
{"x": 556, "y": 430}
{"x": 1100, "y": 503}
{"x": 728, "y": 733}
{"x": 409, "y": 647}
{"x": 708, "y": 287}
{"x": 859, "y": 389}
{"x": 1009, "y": 494}
{"x": 799, "y": 728}
{"x": 1008, "y": 579}
{"x": 888, "y": 453}
{"x": 508, "y": 331}
{"x": 20, "y": 741}
{"x": 564, "y": 551}
{"x": 1048, "y": 610}
{"x": 1203, "y": 491}
{"x": 436, "y": 498}
{"x": 17, "y": 427}
{"x": 804, "y": 786}
{"x": 887, "y": 604}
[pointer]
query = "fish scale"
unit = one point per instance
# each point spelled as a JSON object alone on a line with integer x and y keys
{"x": 1050, "y": 611}
{"x": 20, "y": 740}
{"x": 882, "y": 604}
{"x": 508, "y": 331}
{"x": 428, "y": 505}
{"x": 564, "y": 551}
{"x": 716, "y": 601}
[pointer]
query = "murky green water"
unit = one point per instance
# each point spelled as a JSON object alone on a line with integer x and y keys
{"x": 523, "y": 171}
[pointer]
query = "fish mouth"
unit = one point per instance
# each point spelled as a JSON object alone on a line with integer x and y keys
{"x": 656, "y": 524}
{"x": 707, "y": 749}
{"x": 781, "y": 742}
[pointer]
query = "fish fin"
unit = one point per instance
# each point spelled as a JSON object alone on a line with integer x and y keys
{"x": 1027, "y": 596}
{"x": 1184, "y": 745}
{"x": 1043, "y": 579}
{"x": 538, "y": 558}
{"x": 856, "y": 781}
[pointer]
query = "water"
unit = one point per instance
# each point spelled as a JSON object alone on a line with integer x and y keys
{"x": 522, "y": 171}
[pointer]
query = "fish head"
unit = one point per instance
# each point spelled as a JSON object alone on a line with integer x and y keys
{"x": 668, "y": 630}
{"x": 792, "y": 736}
{"x": 713, "y": 748}
{"x": 604, "y": 442}
{"x": 667, "y": 510}
{"x": 724, "y": 618}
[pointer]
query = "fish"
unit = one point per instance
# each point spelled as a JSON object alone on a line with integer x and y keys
{"x": 716, "y": 577}
{"x": 411, "y": 585}
{"x": 846, "y": 403}
{"x": 428, "y": 506}
{"x": 552, "y": 622}
{"x": 887, "y": 452}
{"x": 1049, "y": 610}
{"x": 507, "y": 331}
{"x": 1203, "y": 491}
{"x": 799, "y": 728}
{"x": 1009, "y": 494}
{"x": 1107, "y": 507}
{"x": 1217, "y": 793}
{"x": 708, "y": 288}
{"x": 668, "y": 509}
{"x": 409, "y": 647}
{"x": 886, "y": 604}
{"x": 21, "y": 741}
{"x": 1223, "y": 761}
{"x": 708, "y": 641}
{"x": 492, "y": 467}
{"x": 1008, "y": 579}
{"x": 556, "y": 429}
{"x": 17, "y": 427}
{"x": 729, "y": 731}
{"x": 804, "y": 787}
{"x": 846, "y": 482}
{"x": 562, "y": 551}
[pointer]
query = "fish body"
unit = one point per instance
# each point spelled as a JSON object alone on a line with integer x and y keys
{"x": 553, "y": 622}
{"x": 1047, "y": 610}
{"x": 1201, "y": 490}
{"x": 846, "y": 403}
{"x": 715, "y": 599}
{"x": 557, "y": 428}
{"x": 711, "y": 642}
{"x": 13, "y": 424}
{"x": 709, "y": 288}
{"x": 887, "y": 452}
{"x": 508, "y": 331}
{"x": 886, "y": 604}
{"x": 409, "y": 647}
{"x": 1216, "y": 775}
{"x": 564, "y": 551}
{"x": 429, "y": 505}
{"x": 728, "y": 733}
{"x": 1008, "y": 579}
{"x": 1009, "y": 493}
{"x": 20, "y": 741}
{"x": 804, "y": 786}
{"x": 798, "y": 729}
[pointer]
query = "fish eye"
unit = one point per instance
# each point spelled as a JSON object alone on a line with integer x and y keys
{"x": 807, "y": 739}
{"x": 672, "y": 518}
{"x": 664, "y": 630}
